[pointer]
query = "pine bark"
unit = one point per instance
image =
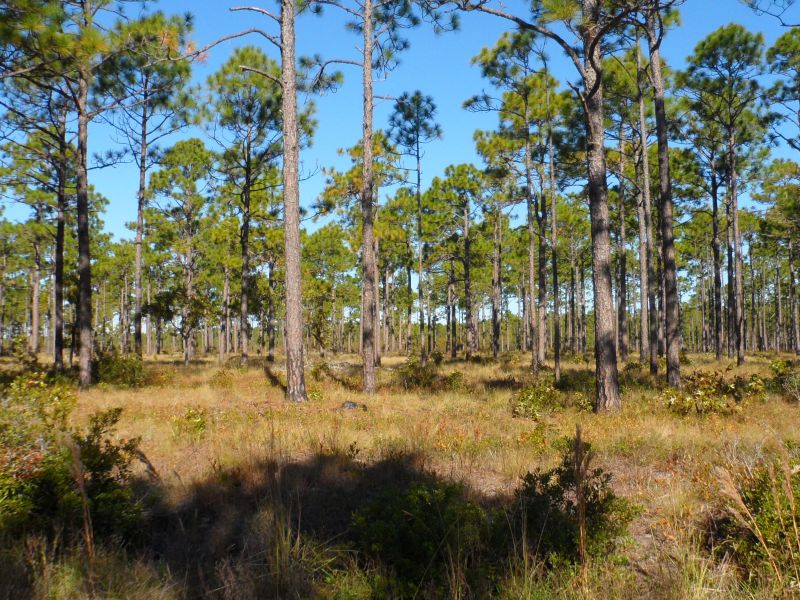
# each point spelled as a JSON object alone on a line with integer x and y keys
{"x": 670, "y": 277}
{"x": 606, "y": 375}
{"x": 84, "y": 235}
{"x": 295, "y": 375}
{"x": 368, "y": 259}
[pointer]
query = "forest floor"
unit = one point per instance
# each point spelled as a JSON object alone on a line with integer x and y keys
{"x": 253, "y": 488}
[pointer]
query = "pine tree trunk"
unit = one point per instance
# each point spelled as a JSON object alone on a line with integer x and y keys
{"x": 793, "y": 299}
{"x": 649, "y": 314}
{"x": 84, "y": 234}
{"x": 553, "y": 246}
{"x": 368, "y": 259}
{"x": 35, "y": 277}
{"x": 531, "y": 219}
{"x": 244, "y": 309}
{"x": 140, "y": 204}
{"x": 496, "y": 291}
{"x": 295, "y": 375}
{"x": 737, "y": 249}
{"x": 671, "y": 297}
{"x": 271, "y": 314}
{"x": 622, "y": 285}
{"x": 423, "y": 355}
{"x": 541, "y": 304}
{"x": 58, "y": 259}
{"x": 715, "y": 247}
{"x": 469, "y": 318}
{"x": 376, "y": 317}
{"x": 606, "y": 376}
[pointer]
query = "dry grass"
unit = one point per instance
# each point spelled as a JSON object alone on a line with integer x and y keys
{"x": 206, "y": 432}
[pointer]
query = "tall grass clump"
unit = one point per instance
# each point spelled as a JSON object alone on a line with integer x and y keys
{"x": 762, "y": 527}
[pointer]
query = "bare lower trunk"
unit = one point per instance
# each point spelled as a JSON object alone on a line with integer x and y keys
{"x": 532, "y": 312}
{"x": 541, "y": 282}
{"x": 84, "y": 235}
{"x": 58, "y": 259}
{"x": 651, "y": 313}
{"x": 793, "y": 300}
{"x": 469, "y": 318}
{"x": 244, "y": 308}
{"x": 496, "y": 291}
{"x": 671, "y": 297}
{"x": 553, "y": 246}
{"x": 622, "y": 285}
{"x": 35, "y": 275}
{"x": 368, "y": 259}
{"x": 606, "y": 376}
{"x": 271, "y": 314}
{"x": 140, "y": 204}
{"x": 295, "y": 375}
{"x": 737, "y": 249}
{"x": 423, "y": 355}
{"x": 715, "y": 248}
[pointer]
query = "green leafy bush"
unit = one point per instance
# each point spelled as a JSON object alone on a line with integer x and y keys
{"x": 41, "y": 457}
{"x": 536, "y": 400}
{"x": 222, "y": 379}
{"x": 413, "y": 375}
{"x": 791, "y": 386}
{"x": 420, "y": 533}
{"x": 454, "y": 382}
{"x": 786, "y": 379}
{"x": 551, "y": 512}
{"x": 192, "y": 423}
{"x": 121, "y": 370}
{"x": 703, "y": 393}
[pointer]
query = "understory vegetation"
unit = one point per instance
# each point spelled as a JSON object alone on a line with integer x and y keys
{"x": 459, "y": 480}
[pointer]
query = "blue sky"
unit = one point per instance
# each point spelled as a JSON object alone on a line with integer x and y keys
{"x": 438, "y": 65}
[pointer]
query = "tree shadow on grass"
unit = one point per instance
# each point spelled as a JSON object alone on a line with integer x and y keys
{"x": 236, "y": 517}
{"x": 577, "y": 380}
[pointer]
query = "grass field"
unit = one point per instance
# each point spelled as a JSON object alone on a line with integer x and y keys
{"x": 249, "y": 496}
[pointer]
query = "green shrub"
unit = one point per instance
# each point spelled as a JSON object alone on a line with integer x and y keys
{"x": 547, "y": 509}
{"x": 786, "y": 379}
{"x": 121, "y": 370}
{"x": 761, "y": 529}
{"x": 40, "y": 456}
{"x": 702, "y": 394}
{"x": 222, "y": 379}
{"x": 437, "y": 357}
{"x": 413, "y": 375}
{"x": 420, "y": 533}
{"x": 454, "y": 382}
{"x": 753, "y": 388}
{"x": 780, "y": 369}
{"x": 192, "y": 423}
{"x": 536, "y": 401}
{"x": 791, "y": 386}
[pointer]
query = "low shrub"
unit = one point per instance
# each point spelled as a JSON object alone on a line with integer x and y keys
{"x": 761, "y": 527}
{"x": 50, "y": 472}
{"x": 786, "y": 379}
{"x": 705, "y": 393}
{"x": 454, "y": 382}
{"x": 222, "y": 379}
{"x": 413, "y": 375}
{"x": 571, "y": 509}
{"x": 120, "y": 370}
{"x": 421, "y": 534}
{"x": 536, "y": 400}
{"x": 193, "y": 423}
{"x": 791, "y": 386}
